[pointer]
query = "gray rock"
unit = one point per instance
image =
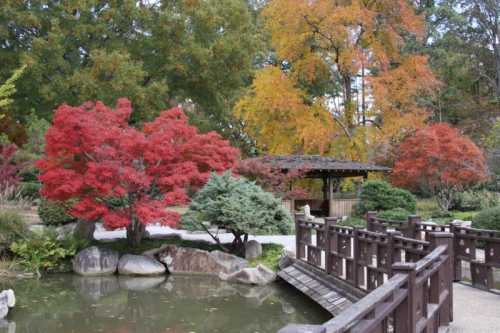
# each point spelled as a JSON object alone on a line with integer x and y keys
{"x": 139, "y": 265}
{"x": 194, "y": 261}
{"x": 140, "y": 283}
{"x": 66, "y": 230}
{"x": 260, "y": 275}
{"x": 285, "y": 260}
{"x": 253, "y": 250}
{"x": 95, "y": 261}
{"x": 7, "y": 300}
{"x": 84, "y": 230}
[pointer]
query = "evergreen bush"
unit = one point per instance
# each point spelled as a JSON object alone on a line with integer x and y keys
{"x": 378, "y": 195}
{"x": 239, "y": 206}
{"x": 488, "y": 219}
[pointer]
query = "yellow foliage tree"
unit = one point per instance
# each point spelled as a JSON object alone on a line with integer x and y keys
{"x": 348, "y": 81}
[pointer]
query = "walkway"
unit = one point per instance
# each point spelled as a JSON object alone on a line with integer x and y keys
{"x": 474, "y": 311}
{"x": 288, "y": 241}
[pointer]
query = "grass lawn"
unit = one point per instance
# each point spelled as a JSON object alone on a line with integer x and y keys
{"x": 428, "y": 209}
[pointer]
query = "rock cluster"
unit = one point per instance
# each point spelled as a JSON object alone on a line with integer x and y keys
{"x": 96, "y": 261}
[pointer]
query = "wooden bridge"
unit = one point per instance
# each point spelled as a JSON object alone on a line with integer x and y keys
{"x": 395, "y": 276}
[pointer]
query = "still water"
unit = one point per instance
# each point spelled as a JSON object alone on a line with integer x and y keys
{"x": 173, "y": 304}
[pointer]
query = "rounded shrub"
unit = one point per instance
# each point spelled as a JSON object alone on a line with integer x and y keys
{"x": 54, "y": 213}
{"x": 488, "y": 219}
{"x": 378, "y": 195}
{"x": 395, "y": 214}
{"x": 239, "y": 206}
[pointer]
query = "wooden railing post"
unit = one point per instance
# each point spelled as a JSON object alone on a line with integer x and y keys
{"x": 370, "y": 217}
{"x": 405, "y": 313}
{"x": 457, "y": 263}
{"x": 355, "y": 257}
{"x": 298, "y": 234}
{"x": 329, "y": 221}
{"x": 445, "y": 274}
{"x": 411, "y": 231}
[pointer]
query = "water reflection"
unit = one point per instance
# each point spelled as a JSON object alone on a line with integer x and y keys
{"x": 173, "y": 304}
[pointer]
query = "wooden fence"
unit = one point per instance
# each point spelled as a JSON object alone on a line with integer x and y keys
{"x": 478, "y": 248}
{"x": 408, "y": 281}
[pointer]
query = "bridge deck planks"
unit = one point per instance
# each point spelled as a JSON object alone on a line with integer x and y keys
{"x": 312, "y": 285}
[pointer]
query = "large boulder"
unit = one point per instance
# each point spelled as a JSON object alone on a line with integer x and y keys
{"x": 194, "y": 261}
{"x": 7, "y": 300}
{"x": 130, "y": 264}
{"x": 260, "y": 275}
{"x": 95, "y": 261}
{"x": 253, "y": 250}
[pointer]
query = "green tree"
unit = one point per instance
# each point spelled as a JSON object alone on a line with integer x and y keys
{"x": 197, "y": 53}
{"x": 8, "y": 89}
{"x": 463, "y": 42}
{"x": 239, "y": 206}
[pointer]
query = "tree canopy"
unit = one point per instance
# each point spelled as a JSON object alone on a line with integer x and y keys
{"x": 123, "y": 175}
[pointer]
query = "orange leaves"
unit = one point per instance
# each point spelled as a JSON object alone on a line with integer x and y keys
{"x": 349, "y": 88}
{"x": 275, "y": 114}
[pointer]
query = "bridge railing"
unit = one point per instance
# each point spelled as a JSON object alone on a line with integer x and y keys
{"x": 478, "y": 250}
{"x": 408, "y": 281}
{"x": 362, "y": 258}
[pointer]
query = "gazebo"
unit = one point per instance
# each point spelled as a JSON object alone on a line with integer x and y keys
{"x": 331, "y": 171}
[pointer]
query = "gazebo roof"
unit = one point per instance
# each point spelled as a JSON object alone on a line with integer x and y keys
{"x": 316, "y": 164}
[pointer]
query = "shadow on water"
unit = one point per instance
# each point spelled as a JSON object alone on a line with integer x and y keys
{"x": 170, "y": 304}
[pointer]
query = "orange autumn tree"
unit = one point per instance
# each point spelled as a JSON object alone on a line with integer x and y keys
{"x": 439, "y": 160}
{"x": 341, "y": 74}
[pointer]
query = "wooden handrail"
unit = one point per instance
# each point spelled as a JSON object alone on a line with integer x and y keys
{"x": 367, "y": 304}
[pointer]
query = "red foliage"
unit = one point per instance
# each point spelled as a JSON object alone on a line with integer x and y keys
{"x": 120, "y": 174}
{"x": 9, "y": 169}
{"x": 272, "y": 179}
{"x": 440, "y": 160}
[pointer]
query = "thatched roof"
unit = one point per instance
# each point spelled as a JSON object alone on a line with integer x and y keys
{"x": 320, "y": 164}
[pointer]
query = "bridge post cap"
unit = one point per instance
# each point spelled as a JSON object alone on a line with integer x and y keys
{"x": 404, "y": 266}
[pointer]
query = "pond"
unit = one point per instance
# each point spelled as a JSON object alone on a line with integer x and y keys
{"x": 168, "y": 304}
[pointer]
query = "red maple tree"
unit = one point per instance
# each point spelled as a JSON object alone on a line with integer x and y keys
{"x": 124, "y": 176}
{"x": 439, "y": 160}
{"x": 273, "y": 179}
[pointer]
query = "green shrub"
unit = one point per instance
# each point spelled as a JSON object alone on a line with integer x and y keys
{"x": 239, "y": 206}
{"x": 353, "y": 221}
{"x": 30, "y": 190}
{"x": 474, "y": 200}
{"x": 12, "y": 228}
{"x": 44, "y": 253}
{"x": 54, "y": 213}
{"x": 378, "y": 195}
{"x": 488, "y": 219}
{"x": 395, "y": 214}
